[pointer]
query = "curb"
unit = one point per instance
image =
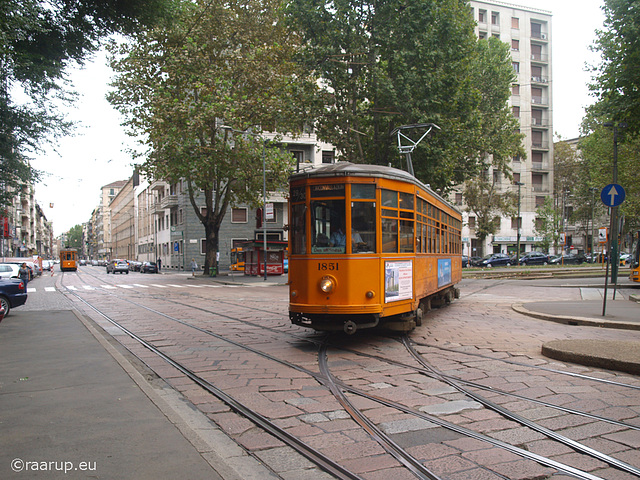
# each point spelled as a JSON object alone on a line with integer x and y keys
{"x": 570, "y": 320}
{"x": 609, "y": 354}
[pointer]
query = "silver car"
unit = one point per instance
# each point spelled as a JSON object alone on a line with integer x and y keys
{"x": 9, "y": 270}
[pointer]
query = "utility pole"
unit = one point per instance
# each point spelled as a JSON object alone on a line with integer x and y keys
{"x": 519, "y": 184}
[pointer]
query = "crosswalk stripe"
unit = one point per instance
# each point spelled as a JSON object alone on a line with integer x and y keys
{"x": 125, "y": 286}
{"x": 108, "y": 287}
{"x": 141, "y": 286}
{"x": 49, "y": 289}
{"x": 177, "y": 286}
{"x": 159, "y": 286}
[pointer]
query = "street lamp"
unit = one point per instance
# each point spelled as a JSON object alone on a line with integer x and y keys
{"x": 519, "y": 184}
{"x": 264, "y": 192}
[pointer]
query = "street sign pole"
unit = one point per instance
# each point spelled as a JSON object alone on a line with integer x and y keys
{"x": 612, "y": 196}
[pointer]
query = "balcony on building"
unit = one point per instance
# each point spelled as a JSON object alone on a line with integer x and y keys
{"x": 539, "y": 166}
{"x": 538, "y": 120}
{"x": 542, "y": 101}
{"x": 540, "y": 79}
{"x": 158, "y": 185}
{"x": 169, "y": 201}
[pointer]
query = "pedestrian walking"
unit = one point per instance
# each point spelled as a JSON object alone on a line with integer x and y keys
{"x": 25, "y": 274}
{"x": 159, "y": 264}
{"x": 194, "y": 267}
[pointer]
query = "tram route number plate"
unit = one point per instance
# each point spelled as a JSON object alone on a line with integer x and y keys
{"x": 328, "y": 266}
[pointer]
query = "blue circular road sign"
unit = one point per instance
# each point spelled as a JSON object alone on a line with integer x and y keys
{"x": 613, "y": 195}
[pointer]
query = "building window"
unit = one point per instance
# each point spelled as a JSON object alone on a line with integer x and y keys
{"x": 516, "y": 66}
{"x": 458, "y": 199}
{"x": 515, "y": 89}
{"x": 495, "y": 18}
{"x": 482, "y": 16}
{"x": 515, "y": 45}
{"x": 516, "y": 177}
{"x": 515, "y": 23}
{"x": 472, "y": 222}
{"x": 515, "y": 111}
{"x": 239, "y": 215}
{"x": 328, "y": 156}
{"x": 298, "y": 156}
{"x": 516, "y": 222}
{"x": 539, "y": 201}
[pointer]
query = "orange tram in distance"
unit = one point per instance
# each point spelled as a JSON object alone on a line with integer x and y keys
{"x": 68, "y": 260}
{"x": 369, "y": 246}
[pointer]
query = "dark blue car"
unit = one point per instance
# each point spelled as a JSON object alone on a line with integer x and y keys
{"x": 12, "y": 294}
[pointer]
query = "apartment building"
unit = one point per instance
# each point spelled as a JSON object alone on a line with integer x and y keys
{"x": 528, "y": 32}
{"x": 24, "y": 228}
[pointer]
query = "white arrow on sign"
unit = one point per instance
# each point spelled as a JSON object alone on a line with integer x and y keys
{"x": 613, "y": 193}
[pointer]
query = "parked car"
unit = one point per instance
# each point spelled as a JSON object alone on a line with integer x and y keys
{"x": 568, "y": 259}
{"x": 12, "y": 294}
{"x": 135, "y": 266}
{"x": 493, "y": 260}
{"x": 9, "y": 270}
{"x": 120, "y": 266}
{"x": 149, "y": 267}
{"x": 534, "y": 258}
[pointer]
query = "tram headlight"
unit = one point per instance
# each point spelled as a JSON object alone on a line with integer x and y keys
{"x": 327, "y": 284}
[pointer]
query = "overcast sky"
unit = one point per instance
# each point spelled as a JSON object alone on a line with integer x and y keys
{"x": 96, "y": 156}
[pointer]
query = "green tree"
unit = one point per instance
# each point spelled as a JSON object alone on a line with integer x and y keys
{"x": 615, "y": 79}
{"x": 389, "y": 63}
{"x": 547, "y": 224}
{"x": 38, "y": 41}
{"x": 597, "y": 152}
{"x": 74, "y": 237}
{"x": 220, "y": 64}
{"x": 487, "y": 202}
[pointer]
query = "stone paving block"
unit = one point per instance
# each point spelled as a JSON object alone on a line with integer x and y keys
{"x": 371, "y": 463}
{"x": 522, "y": 470}
{"x": 405, "y": 425}
{"x": 450, "y": 407}
{"x": 630, "y": 438}
{"x": 283, "y": 459}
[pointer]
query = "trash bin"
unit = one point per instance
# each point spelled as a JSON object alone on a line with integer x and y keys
{"x": 213, "y": 271}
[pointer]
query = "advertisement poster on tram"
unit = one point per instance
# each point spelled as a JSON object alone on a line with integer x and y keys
{"x": 444, "y": 271}
{"x": 398, "y": 281}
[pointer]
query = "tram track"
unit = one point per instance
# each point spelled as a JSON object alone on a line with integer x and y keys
{"x": 324, "y": 379}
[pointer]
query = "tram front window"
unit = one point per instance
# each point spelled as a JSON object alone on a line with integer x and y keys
{"x": 328, "y": 226}
{"x": 363, "y": 227}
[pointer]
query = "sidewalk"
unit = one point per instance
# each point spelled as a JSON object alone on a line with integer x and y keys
{"x": 620, "y": 314}
{"x": 71, "y": 402}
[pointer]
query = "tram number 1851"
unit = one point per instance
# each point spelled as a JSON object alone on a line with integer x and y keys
{"x": 331, "y": 266}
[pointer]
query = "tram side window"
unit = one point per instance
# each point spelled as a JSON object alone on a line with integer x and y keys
{"x": 363, "y": 227}
{"x": 328, "y": 226}
{"x": 389, "y": 235}
{"x": 298, "y": 237}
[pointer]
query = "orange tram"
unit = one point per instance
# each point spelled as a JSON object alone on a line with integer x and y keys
{"x": 369, "y": 246}
{"x": 68, "y": 260}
